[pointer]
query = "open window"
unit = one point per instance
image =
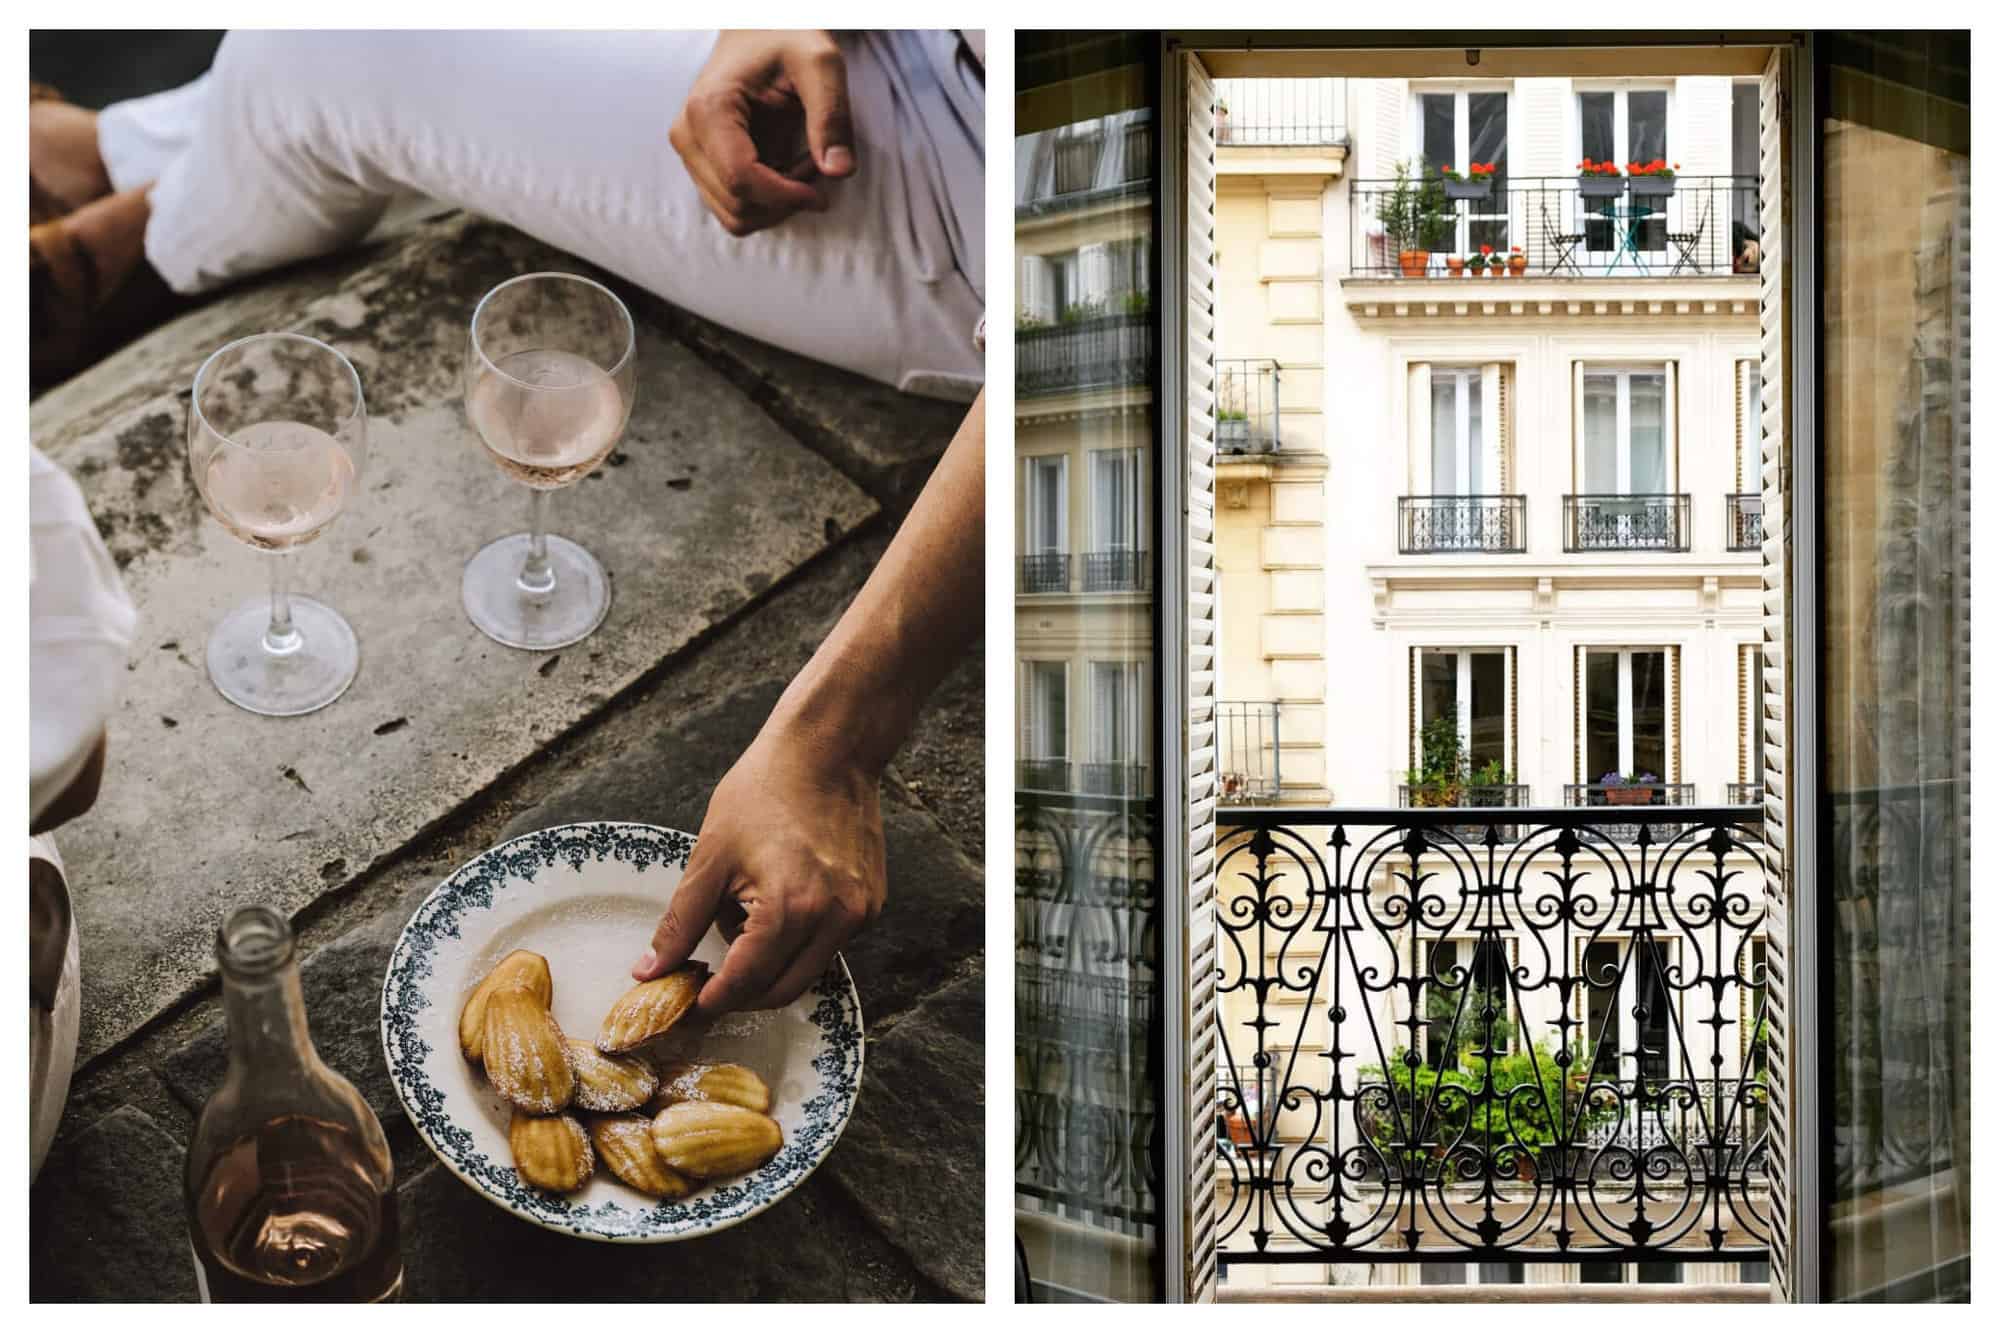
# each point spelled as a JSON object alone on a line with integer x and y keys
{"x": 1624, "y": 124}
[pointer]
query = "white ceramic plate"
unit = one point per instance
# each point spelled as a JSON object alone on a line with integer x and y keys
{"x": 586, "y": 897}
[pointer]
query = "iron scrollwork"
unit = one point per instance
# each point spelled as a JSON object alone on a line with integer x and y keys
{"x": 1491, "y": 1035}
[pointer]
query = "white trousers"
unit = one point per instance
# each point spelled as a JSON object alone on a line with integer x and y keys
{"x": 294, "y": 143}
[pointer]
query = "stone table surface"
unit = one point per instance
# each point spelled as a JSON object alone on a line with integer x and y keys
{"x": 751, "y": 497}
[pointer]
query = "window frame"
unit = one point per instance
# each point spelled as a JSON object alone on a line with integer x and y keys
{"x": 1627, "y": 720}
{"x": 1460, "y": 91}
{"x": 1030, "y": 668}
{"x": 1622, "y": 373}
{"x": 1135, "y": 468}
{"x": 1030, "y": 465}
{"x": 1463, "y": 698}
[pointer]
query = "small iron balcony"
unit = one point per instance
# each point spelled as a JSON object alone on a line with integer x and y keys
{"x": 1114, "y": 779}
{"x": 1746, "y": 793}
{"x": 1246, "y": 738}
{"x": 1595, "y": 794}
{"x": 1047, "y": 572}
{"x": 1625, "y": 522}
{"x": 1117, "y": 571}
{"x": 1746, "y": 522}
{"x": 1042, "y": 774}
{"x": 1482, "y": 524}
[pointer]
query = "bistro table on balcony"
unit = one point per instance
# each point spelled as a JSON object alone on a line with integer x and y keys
{"x": 1626, "y": 220}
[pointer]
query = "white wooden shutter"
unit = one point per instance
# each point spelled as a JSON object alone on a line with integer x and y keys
{"x": 1670, "y": 436}
{"x": 1203, "y": 1024}
{"x": 1489, "y": 428}
{"x": 1420, "y": 429}
{"x": 1537, "y": 131}
{"x": 1038, "y": 294}
{"x": 1093, "y": 271}
{"x": 1774, "y": 328}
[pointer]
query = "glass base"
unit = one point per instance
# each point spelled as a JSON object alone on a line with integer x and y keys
{"x": 316, "y": 671}
{"x": 506, "y": 612}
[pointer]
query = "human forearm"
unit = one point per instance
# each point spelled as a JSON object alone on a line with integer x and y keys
{"x": 856, "y": 701}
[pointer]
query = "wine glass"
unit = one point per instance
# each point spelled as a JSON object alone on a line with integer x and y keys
{"x": 548, "y": 388}
{"x": 277, "y": 437}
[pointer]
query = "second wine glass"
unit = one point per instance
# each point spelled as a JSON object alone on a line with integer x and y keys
{"x": 548, "y": 388}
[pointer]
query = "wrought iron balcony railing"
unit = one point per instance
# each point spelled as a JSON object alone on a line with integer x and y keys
{"x": 1746, "y": 793}
{"x": 1114, "y": 779}
{"x": 1280, "y": 112}
{"x": 1563, "y": 227}
{"x": 1451, "y": 1049}
{"x": 1631, "y": 796}
{"x": 1042, "y": 774}
{"x": 1086, "y": 903}
{"x": 1625, "y": 522}
{"x": 1467, "y": 796}
{"x": 1746, "y": 522}
{"x": 1442, "y": 524}
{"x": 1117, "y": 571}
{"x": 1100, "y": 352}
{"x": 1248, "y": 749}
{"x": 1046, "y": 572}
{"x": 1247, "y": 415}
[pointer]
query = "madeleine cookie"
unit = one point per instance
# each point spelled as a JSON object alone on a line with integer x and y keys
{"x": 551, "y": 1151}
{"x": 710, "y": 1139}
{"x": 625, "y": 1142}
{"x": 645, "y": 1012}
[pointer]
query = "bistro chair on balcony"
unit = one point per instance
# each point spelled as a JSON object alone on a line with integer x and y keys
{"x": 1562, "y": 243}
{"x": 1689, "y": 242}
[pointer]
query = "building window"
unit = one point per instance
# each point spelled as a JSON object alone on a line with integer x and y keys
{"x": 1045, "y": 727}
{"x": 1626, "y": 441}
{"x": 1459, "y": 446}
{"x": 1625, "y": 714}
{"x": 1456, "y": 129}
{"x": 1623, "y": 983}
{"x": 1469, "y": 685}
{"x": 1116, "y": 505}
{"x": 1048, "y": 504}
{"x": 1623, "y": 126}
{"x": 1117, "y": 730}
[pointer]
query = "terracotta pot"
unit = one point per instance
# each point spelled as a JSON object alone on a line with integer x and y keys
{"x": 1457, "y": 265}
{"x": 1490, "y": 271}
{"x": 1517, "y": 264}
{"x": 1415, "y": 262}
{"x": 1628, "y": 795}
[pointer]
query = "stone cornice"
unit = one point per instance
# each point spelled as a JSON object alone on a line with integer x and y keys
{"x": 1550, "y": 298}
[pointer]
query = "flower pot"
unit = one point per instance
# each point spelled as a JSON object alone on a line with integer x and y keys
{"x": 1469, "y": 189}
{"x": 1656, "y": 186}
{"x": 1490, "y": 271}
{"x": 1457, "y": 265}
{"x": 1415, "y": 263}
{"x": 1517, "y": 264}
{"x": 1628, "y": 795}
{"x": 1600, "y": 187}
{"x": 1236, "y": 431}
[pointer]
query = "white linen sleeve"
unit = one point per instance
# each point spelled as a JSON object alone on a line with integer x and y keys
{"x": 80, "y": 624}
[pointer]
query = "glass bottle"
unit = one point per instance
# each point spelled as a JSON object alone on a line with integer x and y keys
{"x": 290, "y": 1188}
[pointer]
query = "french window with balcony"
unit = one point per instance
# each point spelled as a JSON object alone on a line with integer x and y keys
{"x": 1455, "y": 128}
{"x": 1460, "y": 473}
{"x": 1626, "y": 469}
{"x": 1045, "y": 544}
{"x": 1045, "y": 727}
{"x": 1473, "y": 688}
{"x": 1118, "y": 734}
{"x": 1626, "y": 738}
{"x": 1624, "y": 125}
{"x": 1117, "y": 559}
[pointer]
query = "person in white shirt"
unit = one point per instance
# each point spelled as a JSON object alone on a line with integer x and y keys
{"x": 79, "y": 626}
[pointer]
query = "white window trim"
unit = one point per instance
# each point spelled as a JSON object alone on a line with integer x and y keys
{"x": 1422, "y": 375}
{"x": 1621, "y": 132}
{"x": 1461, "y": 137}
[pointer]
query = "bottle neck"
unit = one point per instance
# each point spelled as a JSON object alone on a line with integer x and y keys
{"x": 267, "y": 1021}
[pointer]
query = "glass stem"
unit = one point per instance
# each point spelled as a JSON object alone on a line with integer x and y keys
{"x": 536, "y": 575}
{"x": 280, "y": 638}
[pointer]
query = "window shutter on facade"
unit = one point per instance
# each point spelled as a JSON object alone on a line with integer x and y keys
{"x": 1670, "y": 425}
{"x": 1538, "y": 133}
{"x": 1774, "y": 328}
{"x": 1038, "y": 295}
{"x": 1490, "y": 415}
{"x": 1198, "y": 1053}
{"x": 1702, "y": 143}
{"x": 1093, "y": 268}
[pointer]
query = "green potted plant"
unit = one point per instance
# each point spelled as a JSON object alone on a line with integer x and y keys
{"x": 1599, "y": 180}
{"x": 1628, "y": 788}
{"x": 1436, "y": 222}
{"x": 1231, "y": 427}
{"x": 1488, "y": 264}
{"x": 1654, "y": 178}
{"x": 1475, "y": 182}
{"x": 1438, "y": 780}
{"x": 1401, "y": 215}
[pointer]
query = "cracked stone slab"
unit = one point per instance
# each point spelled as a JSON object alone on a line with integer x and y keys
{"x": 707, "y": 503}
{"x": 912, "y": 1158}
{"x": 109, "y": 1220}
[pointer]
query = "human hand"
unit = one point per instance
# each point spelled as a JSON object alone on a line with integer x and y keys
{"x": 790, "y": 859}
{"x": 767, "y": 111}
